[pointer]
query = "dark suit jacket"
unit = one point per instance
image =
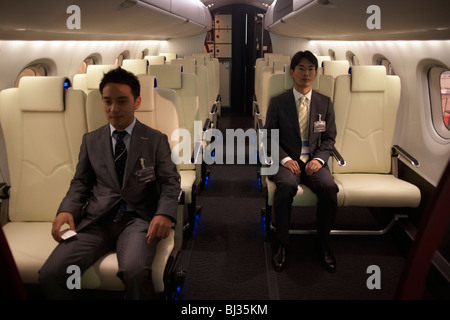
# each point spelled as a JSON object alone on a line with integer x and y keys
{"x": 282, "y": 114}
{"x": 95, "y": 188}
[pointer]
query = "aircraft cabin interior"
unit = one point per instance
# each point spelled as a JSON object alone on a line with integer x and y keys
{"x": 210, "y": 74}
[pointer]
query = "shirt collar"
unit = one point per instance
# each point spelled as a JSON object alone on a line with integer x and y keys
{"x": 298, "y": 95}
{"x": 128, "y": 129}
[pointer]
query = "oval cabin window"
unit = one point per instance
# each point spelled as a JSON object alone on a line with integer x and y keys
{"x": 439, "y": 88}
{"x": 35, "y": 70}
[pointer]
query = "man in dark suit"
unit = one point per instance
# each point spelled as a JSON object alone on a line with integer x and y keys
{"x": 316, "y": 143}
{"x": 110, "y": 212}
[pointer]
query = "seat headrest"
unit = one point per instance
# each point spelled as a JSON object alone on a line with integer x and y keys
{"x": 42, "y": 93}
{"x": 147, "y": 92}
{"x": 368, "y": 78}
{"x": 136, "y": 66}
{"x": 288, "y": 82}
{"x": 155, "y": 59}
{"x": 95, "y": 73}
{"x": 335, "y": 67}
{"x": 168, "y": 76}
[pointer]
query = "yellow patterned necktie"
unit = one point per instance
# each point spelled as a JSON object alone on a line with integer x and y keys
{"x": 303, "y": 122}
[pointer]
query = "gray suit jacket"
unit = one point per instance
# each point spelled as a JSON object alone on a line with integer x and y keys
{"x": 95, "y": 188}
{"x": 282, "y": 114}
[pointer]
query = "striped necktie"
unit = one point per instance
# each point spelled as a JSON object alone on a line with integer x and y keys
{"x": 120, "y": 158}
{"x": 303, "y": 122}
{"x": 120, "y": 154}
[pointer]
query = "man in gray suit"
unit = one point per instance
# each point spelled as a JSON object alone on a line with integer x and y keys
{"x": 122, "y": 202}
{"x": 316, "y": 144}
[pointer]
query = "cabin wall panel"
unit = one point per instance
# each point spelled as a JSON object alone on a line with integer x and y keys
{"x": 64, "y": 57}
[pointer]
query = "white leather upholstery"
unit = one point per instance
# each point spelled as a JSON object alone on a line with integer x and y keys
{"x": 95, "y": 73}
{"x": 136, "y": 66}
{"x": 335, "y": 68}
{"x": 366, "y": 104}
{"x": 43, "y": 125}
{"x": 169, "y": 56}
{"x": 155, "y": 60}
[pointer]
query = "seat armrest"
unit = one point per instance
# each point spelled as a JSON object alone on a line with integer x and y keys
{"x": 260, "y": 124}
{"x": 338, "y": 157}
{"x": 198, "y": 147}
{"x": 399, "y": 151}
{"x": 257, "y": 112}
{"x": 213, "y": 109}
{"x": 207, "y": 124}
{"x": 181, "y": 197}
{"x": 4, "y": 190}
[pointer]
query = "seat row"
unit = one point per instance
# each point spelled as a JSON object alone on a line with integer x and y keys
{"x": 365, "y": 102}
{"x": 43, "y": 125}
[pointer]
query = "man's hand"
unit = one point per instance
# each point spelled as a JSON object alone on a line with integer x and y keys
{"x": 159, "y": 228}
{"x": 60, "y": 219}
{"x": 313, "y": 166}
{"x": 293, "y": 166}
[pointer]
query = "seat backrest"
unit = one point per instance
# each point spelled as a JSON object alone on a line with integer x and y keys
{"x": 188, "y": 65}
{"x": 95, "y": 73}
{"x": 263, "y": 96}
{"x": 152, "y": 60}
{"x": 146, "y": 111}
{"x": 185, "y": 85}
{"x": 167, "y": 114}
{"x": 324, "y": 84}
{"x": 281, "y": 65}
{"x": 259, "y": 65}
{"x": 366, "y": 104}
{"x": 136, "y": 66}
{"x": 79, "y": 82}
{"x": 335, "y": 67}
{"x": 320, "y": 60}
{"x": 43, "y": 126}
{"x": 169, "y": 56}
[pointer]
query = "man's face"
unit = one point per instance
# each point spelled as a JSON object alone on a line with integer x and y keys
{"x": 303, "y": 75}
{"x": 119, "y": 104}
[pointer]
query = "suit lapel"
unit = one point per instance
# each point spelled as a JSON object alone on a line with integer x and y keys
{"x": 137, "y": 143}
{"x": 108, "y": 157}
{"x": 293, "y": 114}
{"x": 312, "y": 114}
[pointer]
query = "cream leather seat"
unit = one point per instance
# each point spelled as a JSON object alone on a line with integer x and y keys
{"x": 107, "y": 267}
{"x": 170, "y": 76}
{"x": 366, "y": 104}
{"x": 43, "y": 126}
{"x": 152, "y": 60}
{"x": 136, "y": 66}
{"x": 48, "y": 124}
{"x": 278, "y": 83}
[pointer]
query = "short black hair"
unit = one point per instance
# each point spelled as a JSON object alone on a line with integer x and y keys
{"x": 308, "y": 55}
{"x": 119, "y": 75}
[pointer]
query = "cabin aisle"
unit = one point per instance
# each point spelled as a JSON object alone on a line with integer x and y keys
{"x": 228, "y": 259}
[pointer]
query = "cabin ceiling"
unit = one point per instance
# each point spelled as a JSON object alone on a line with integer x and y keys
{"x": 347, "y": 19}
{"x": 168, "y": 19}
{"x": 215, "y": 4}
{"x": 103, "y": 19}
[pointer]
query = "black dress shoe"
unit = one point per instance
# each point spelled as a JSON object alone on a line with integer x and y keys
{"x": 327, "y": 260}
{"x": 279, "y": 258}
